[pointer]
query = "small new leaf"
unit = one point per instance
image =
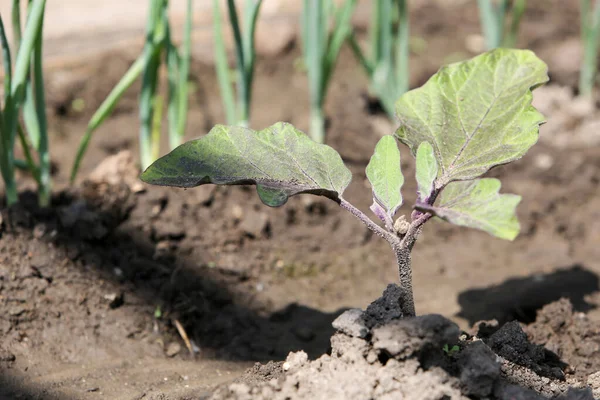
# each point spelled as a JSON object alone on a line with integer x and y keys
{"x": 280, "y": 160}
{"x": 477, "y": 204}
{"x": 427, "y": 170}
{"x": 386, "y": 179}
{"x": 476, "y": 114}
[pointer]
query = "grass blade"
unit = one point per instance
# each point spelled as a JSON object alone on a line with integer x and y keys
{"x": 360, "y": 56}
{"x": 173, "y": 73}
{"x": 44, "y": 189}
{"x": 156, "y": 127}
{"x": 488, "y": 16}
{"x": 315, "y": 47}
{"x": 6, "y": 61}
{"x": 590, "y": 30}
{"x": 29, "y": 107}
{"x": 29, "y": 114}
{"x": 235, "y": 27}
{"x": 375, "y": 32}
{"x": 6, "y": 158}
{"x": 184, "y": 70}
{"x": 105, "y": 109}
{"x": 14, "y": 97}
{"x": 240, "y": 64}
{"x": 518, "y": 9}
{"x": 16, "y": 23}
{"x": 222, "y": 67}
{"x": 341, "y": 32}
{"x": 402, "y": 51}
{"x": 250, "y": 18}
{"x": 29, "y": 163}
{"x": 157, "y": 30}
{"x": 22, "y": 63}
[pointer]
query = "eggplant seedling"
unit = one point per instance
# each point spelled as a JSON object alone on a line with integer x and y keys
{"x": 468, "y": 118}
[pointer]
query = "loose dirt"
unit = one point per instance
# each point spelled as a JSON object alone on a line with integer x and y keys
{"x": 97, "y": 289}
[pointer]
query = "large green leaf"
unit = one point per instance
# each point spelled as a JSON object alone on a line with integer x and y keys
{"x": 427, "y": 170}
{"x": 477, "y": 204}
{"x": 476, "y": 114}
{"x": 386, "y": 179}
{"x": 280, "y": 160}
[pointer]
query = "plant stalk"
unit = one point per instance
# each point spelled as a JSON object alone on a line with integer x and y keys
{"x": 407, "y": 301}
{"x": 492, "y": 21}
{"x": 222, "y": 67}
{"x": 518, "y": 9}
{"x": 184, "y": 72}
{"x": 402, "y": 51}
{"x": 241, "y": 84}
{"x": 590, "y": 35}
{"x": 402, "y": 249}
{"x": 105, "y": 109}
{"x": 44, "y": 188}
{"x": 317, "y": 124}
{"x": 6, "y": 164}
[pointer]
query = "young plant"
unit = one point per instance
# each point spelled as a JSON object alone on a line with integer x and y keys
{"x": 590, "y": 34}
{"x": 321, "y": 49}
{"x": 245, "y": 55}
{"x": 24, "y": 93}
{"x": 496, "y": 16}
{"x": 387, "y": 66}
{"x": 468, "y": 118}
{"x": 158, "y": 43}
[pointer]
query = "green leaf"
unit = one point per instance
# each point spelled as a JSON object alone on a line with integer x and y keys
{"x": 477, "y": 204}
{"x": 427, "y": 170}
{"x": 386, "y": 178}
{"x": 280, "y": 160}
{"x": 476, "y": 114}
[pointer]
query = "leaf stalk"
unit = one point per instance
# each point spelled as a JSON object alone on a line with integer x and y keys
{"x": 402, "y": 247}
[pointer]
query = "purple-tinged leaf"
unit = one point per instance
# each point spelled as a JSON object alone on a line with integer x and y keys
{"x": 427, "y": 170}
{"x": 478, "y": 204}
{"x": 280, "y": 160}
{"x": 386, "y": 177}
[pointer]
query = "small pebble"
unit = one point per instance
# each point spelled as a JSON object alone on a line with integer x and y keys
{"x": 173, "y": 349}
{"x": 7, "y": 356}
{"x": 115, "y": 300}
{"x": 544, "y": 161}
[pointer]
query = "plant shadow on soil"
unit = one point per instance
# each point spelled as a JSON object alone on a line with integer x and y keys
{"x": 521, "y": 298}
{"x": 93, "y": 233}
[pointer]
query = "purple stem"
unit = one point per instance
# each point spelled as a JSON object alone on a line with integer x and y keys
{"x": 378, "y": 230}
{"x": 402, "y": 248}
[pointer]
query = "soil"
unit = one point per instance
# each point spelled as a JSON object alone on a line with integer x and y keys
{"x": 124, "y": 291}
{"x": 378, "y": 354}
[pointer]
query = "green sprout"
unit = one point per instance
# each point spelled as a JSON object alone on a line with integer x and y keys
{"x": 450, "y": 351}
{"x": 468, "y": 118}
{"x": 500, "y": 21}
{"x": 321, "y": 50}
{"x": 245, "y": 53}
{"x": 24, "y": 93}
{"x": 158, "y": 312}
{"x": 387, "y": 66}
{"x": 590, "y": 33}
{"x": 158, "y": 44}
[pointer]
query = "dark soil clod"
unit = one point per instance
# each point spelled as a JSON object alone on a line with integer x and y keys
{"x": 377, "y": 351}
{"x": 385, "y": 309}
{"x": 511, "y": 343}
{"x": 479, "y": 369}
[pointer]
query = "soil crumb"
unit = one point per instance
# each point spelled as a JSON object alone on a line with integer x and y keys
{"x": 375, "y": 356}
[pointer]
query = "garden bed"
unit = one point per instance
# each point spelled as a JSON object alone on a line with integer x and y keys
{"x": 99, "y": 288}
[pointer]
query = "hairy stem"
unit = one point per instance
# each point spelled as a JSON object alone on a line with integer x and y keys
{"x": 407, "y": 301}
{"x": 402, "y": 249}
{"x": 376, "y": 229}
